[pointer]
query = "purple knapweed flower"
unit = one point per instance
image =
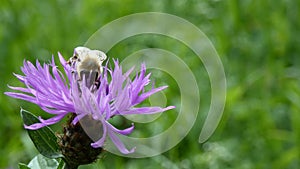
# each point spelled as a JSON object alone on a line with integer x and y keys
{"x": 61, "y": 93}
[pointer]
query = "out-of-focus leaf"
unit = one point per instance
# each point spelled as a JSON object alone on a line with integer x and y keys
{"x": 23, "y": 166}
{"x": 42, "y": 162}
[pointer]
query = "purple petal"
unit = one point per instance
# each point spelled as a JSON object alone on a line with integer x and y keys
{"x": 122, "y": 102}
{"x": 52, "y": 111}
{"x": 118, "y": 143}
{"x": 101, "y": 141}
{"x": 123, "y": 132}
{"x": 21, "y": 96}
{"x": 44, "y": 123}
{"x": 53, "y": 120}
{"x": 145, "y": 95}
{"x": 78, "y": 118}
{"x": 129, "y": 72}
{"x": 20, "y": 77}
{"x": 22, "y": 89}
{"x": 146, "y": 110}
{"x": 61, "y": 59}
{"x": 35, "y": 126}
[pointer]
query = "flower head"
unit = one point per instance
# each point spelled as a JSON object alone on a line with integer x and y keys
{"x": 60, "y": 93}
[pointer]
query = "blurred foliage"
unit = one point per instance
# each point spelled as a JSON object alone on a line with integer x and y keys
{"x": 258, "y": 42}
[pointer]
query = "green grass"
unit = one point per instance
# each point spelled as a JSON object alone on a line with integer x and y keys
{"x": 258, "y": 43}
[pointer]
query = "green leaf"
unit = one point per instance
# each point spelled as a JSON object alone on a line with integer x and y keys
{"x": 44, "y": 139}
{"x": 61, "y": 164}
{"x": 42, "y": 162}
{"x": 23, "y": 166}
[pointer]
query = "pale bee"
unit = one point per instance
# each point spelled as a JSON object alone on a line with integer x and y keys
{"x": 87, "y": 62}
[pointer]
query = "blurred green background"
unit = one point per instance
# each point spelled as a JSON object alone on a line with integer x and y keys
{"x": 258, "y": 43}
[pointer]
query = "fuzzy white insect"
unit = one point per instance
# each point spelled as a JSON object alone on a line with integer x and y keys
{"x": 87, "y": 61}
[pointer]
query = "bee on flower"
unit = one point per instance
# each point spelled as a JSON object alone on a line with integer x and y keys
{"x": 71, "y": 92}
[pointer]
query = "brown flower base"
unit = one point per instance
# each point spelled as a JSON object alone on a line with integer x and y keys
{"x": 75, "y": 145}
